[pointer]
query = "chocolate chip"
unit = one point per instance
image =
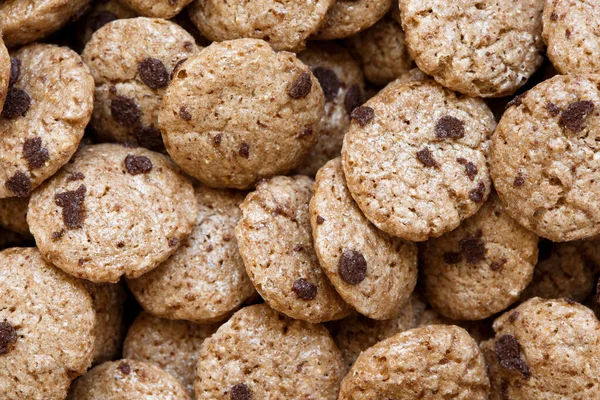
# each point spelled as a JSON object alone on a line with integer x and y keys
{"x": 544, "y": 249}
{"x": 452, "y": 257}
{"x": 19, "y": 184}
{"x": 304, "y": 289}
{"x": 574, "y": 116}
{"x": 136, "y": 165}
{"x": 16, "y": 104}
{"x": 149, "y": 137}
{"x": 72, "y": 206}
{"x": 496, "y": 265}
{"x": 553, "y": 17}
{"x": 473, "y": 248}
{"x": 173, "y": 242}
{"x": 77, "y": 176}
{"x": 426, "y": 157}
{"x": 329, "y": 82}
{"x": 307, "y": 131}
{"x": 513, "y": 316}
{"x": 15, "y": 71}
{"x": 470, "y": 168}
{"x": 553, "y": 109}
{"x": 568, "y": 33}
{"x": 58, "y": 234}
{"x": 478, "y": 193}
{"x": 301, "y": 87}
{"x": 353, "y": 98}
{"x": 102, "y": 18}
{"x": 352, "y": 267}
{"x": 241, "y": 391}
{"x": 153, "y": 73}
{"x": 124, "y": 368}
{"x": 320, "y": 220}
{"x": 176, "y": 67}
{"x": 519, "y": 181}
{"x": 516, "y": 101}
{"x": 244, "y": 150}
{"x": 363, "y": 115}
{"x": 449, "y": 127}
{"x": 34, "y": 153}
{"x": 298, "y": 247}
{"x": 508, "y": 354}
{"x": 8, "y": 336}
{"x": 184, "y": 113}
{"x": 125, "y": 111}
{"x": 217, "y": 139}
{"x": 189, "y": 46}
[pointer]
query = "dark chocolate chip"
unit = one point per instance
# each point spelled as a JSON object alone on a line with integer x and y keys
{"x": 553, "y": 17}
{"x": 58, "y": 234}
{"x": 136, "y": 165}
{"x": 124, "y": 368}
{"x": 244, "y": 150}
{"x": 470, "y": 168}
{"x": 426, "y": 157}
{"x": 516, "y": 101}
{"x": 101, "y": 18}
{"x": 553, "y": 109}
{"x": 353, "y": 98}
{"x": 329, "y": 82}
{"x": 176, "y": 67}
{"x": 72, "y": 206}
{"x": 8, "y": 336}
{"x": 519, "y": 181}
{"x": 304, "y": 289}
{"x": 125, "y": 111}
{"x": 449, "y": 127}
{"x": 352, "y": 267}
{"x": 363, "y": 115}
{"x": 508, "y": 354}
{"x": 320, "y": 220}
{"x": 496, "y": 265}
{"x": 184, "y": 113}
{"x": 241, "y": 391}
{"x": 15, "y": 71}
{"x": 452, "y": 257}
{"x": 149, "y": 137}
{"x": 16, "y": 104}
{"x": 513, "y": 316}
{"x": 189, "y": 46}
{"x": 544, "y": 249}
{"x": 301, "y": 87}
{"x": 478, "y": 193}
{"x": 19, "y": 184}
{"x": 173, "y": 242}
{"x": 574, "y": 116}
{"x": 77, "y": 176}
{"x": 307, "y": 131}
{"x": 153, "y": 73}
{"x": 34, "y": 153}
{"x": 473, "y": 248}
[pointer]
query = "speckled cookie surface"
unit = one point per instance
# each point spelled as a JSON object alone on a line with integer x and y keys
{"x": 434, "y": 362}
{"x": 132, "y": 61}
{"x": 157, "y": 8}
{"x": 260, "y": 354}
{"x": 255, "y": 115}
{"x": 172, "y": 345}
{"x": 373, "y": 272}
{"x": 543, "y": 158}
{"x": 347, "y": 17}
{"x": 415, "y": 158}
{"x": 285, "y": 25}
{"x": 127, "y": 379}
{"x": 481, "y": 267}
{"x": 48, "y": 106}
{"x": 87, "y": 219}
{"x": 205, "y": 279}
{"x": 101, "y": 13}
{"x": 486, "y": 49}
{"x": 46, "y": 327}
{"x": 545, "y": 349}
{"x": 5, "y": 72}
{"x": 13, "y": 214}
{"x": 275, "y": 240}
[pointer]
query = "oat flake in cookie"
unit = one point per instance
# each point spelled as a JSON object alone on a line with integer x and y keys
{"x": 113, "y": 211}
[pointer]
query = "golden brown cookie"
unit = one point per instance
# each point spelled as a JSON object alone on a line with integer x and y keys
{"x": 347, "y": 17}
{"x": 157, "y": 8}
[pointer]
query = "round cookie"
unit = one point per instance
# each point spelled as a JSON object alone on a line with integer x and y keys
{"x": 205, "y": 279}
{"x": 47, "y": 109}
{"x": 341, "y": 79}
{"x": 171, "y": 345}
{"x": 132, "y": 61}
{"x": 285, "y": 25}
{"x": 112, "y": 211}
{"x": 545, "y": 349}
{"x": 127, "y": 379}
{"x": 543, "y": 159}
{"x": 260, "y": 354}
{"x": 13, "y": 214}
{"x": 415, "y": 158}
{"x": 46, "y": 327}
{"x": 5, "y": 72}
{"x": 100, "y": 13}
{"x": 275, "y": 240}
{"x": 255, "y": 115}
{"x": 157, "y": 8}
{"x": 482, "y": 49}
{"x": 481, "y": 267}
{"x": 347, "y": 17}
{"x": 373, "y": 272}
{"x": 437, "y": 361}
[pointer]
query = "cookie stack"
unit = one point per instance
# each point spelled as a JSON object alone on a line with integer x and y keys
{"x": 335, "y": 199}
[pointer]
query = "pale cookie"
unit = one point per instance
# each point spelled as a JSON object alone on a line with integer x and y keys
{"x": 112, "y": 211}
{"x": 13, "y": 214}
{"x": 260, "y": 354}
{"x": 480, "y": 48}
{"x": 415, "y": 158}
{"x": 157, "y": 8}
{"x": 275, "y": 240}
{"x": 100, "y": 13}
{"x": 133, "y": 61}
{"x": 543, "y": 159}
{"x": 434, "y": 362}
{"x": 545, "y": 349}
{"x": 48, "y": 106}
{"x": 347, "y": 17}
{"x": 46, "y": 327}
{"x": 205, "y": 279}
{"x": 373, "y": 272}
{"x": 255, "y": 115}
{"x": 5, "y": 72}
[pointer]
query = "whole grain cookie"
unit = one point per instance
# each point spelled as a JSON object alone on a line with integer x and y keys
{"x": 545, "y": 349}
{"x": 481, "y": 267}
{"x": 46, "y": 327}
{"x": 260, "y": 354}
{"x": 5, "y": 72}
{"x": 543, "y": 159}
{"x": 341, "y": 79}
{"x": 127, "y": 379}
{"x": 373, "y": 272}
{"x": 479, "y": 48}
{"x": 171, "y": 345}
{"x": 112, "y": 211}
{"x": 437, "y": 361}
{"x": 13, "y": 214}
{"x": 205, "y": 279}
{"x": 100, "y": 13}
{"x": 132, "y": 61}
{"x": 347, "y": 17}
{"x": 255, "y": 115}
{"x": 275, "y": 240}
{"x": 48, "y": 105}
{"x": 415, "y": 158}
{"x": 285, "y": 25}
{"x": 157, "y": 8}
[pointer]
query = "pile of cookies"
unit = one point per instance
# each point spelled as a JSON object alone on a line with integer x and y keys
{"x": 333, "y": 199}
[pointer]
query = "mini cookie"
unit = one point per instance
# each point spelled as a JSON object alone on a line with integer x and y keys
{"x": 127, "y": 379}
{"x": 205, "y": 279}
{"x": 275, "y": 240}
{"x": 255, "y": 115}
{"x": 415, "y": 158}
{"x": 545, "y": 349}
{"x": 100, "y": 13}
{"x": 481, "y": 267}
{"x": 5, "y": 72}
{"x": 132, "y": 61}
{"x": 285, "y": 25}
{"x": 373, "y": 272}
{"x": 171, "y": 345}
{"x": 49, "y": 104}
{"x": 543, "y": 158}
{"x": 341, "y": 79}
{"x": 13, "y": 214}
{"x": 483, "y": 49}
{"x": 437, "y": 361}
{"x": 347, "y": 17}
{"x": 382, "y": 51}
{"x": 112, "y": 211}
{"x": 46, "y": 327}
{"x": 157, "y": 8}
{"x": 260, "y": 354}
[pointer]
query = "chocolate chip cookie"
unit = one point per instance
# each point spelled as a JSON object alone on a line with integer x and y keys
{"x": 100, "y": 13}
{"x": 347, "y": 17}
{"x": 157, "y": 8}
